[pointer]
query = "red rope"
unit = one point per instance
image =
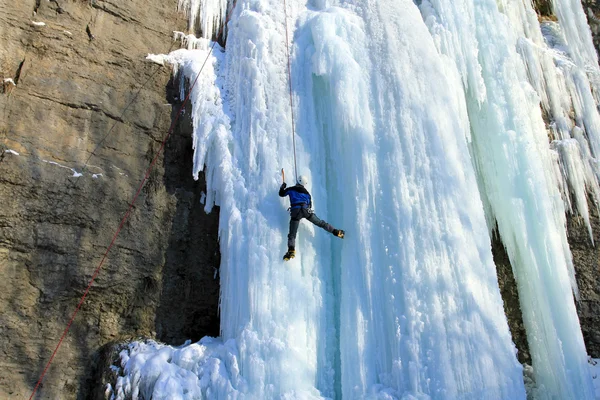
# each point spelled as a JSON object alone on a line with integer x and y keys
{"x": 126, "y": 216}
{"x": 287, "y": 48}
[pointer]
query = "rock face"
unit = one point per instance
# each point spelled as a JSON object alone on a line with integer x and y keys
{"x": 586, "y": 258}
{"x": 592, "y": 11}
{"x": 85, "y": 101}
{"x": 510, "y": 298}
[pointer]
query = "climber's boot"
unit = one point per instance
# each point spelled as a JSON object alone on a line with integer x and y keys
{"x": 291, "y": 253}
{"x": 339, "y": 233}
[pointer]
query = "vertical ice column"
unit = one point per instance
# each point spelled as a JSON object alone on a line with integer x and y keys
{"x": 420, "y": 309}
{"x": 277, "y": 313}
{"x": 565, "y": 90}
{"x": 206, "y": 15}
{"x": 571, "y": 18}
{"x": 513, "y": 160}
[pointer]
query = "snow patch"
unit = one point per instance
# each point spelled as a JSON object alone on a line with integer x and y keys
{"x": 36, "y": 23}
{"x": 9, "y": 151}
{"x": 108, "y": 391}
{"x": 75, "y": 173}
{"x": 207, "y": 369}
{"x": 157, "y": 58}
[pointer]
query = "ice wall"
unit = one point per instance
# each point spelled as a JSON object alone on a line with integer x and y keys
{"x": 414, "y": 125}
{"x": 419, "y": 303}
{"x": 517, "y": 173}
{"x": 564, "y": 86}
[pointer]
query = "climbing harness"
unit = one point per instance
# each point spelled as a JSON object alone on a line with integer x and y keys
{"x": 289, "y": 70}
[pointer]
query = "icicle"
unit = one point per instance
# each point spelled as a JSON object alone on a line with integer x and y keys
{"x": 206, "y": 15}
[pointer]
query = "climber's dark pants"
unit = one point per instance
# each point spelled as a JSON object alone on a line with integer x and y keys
{"x": 297, "y": 214}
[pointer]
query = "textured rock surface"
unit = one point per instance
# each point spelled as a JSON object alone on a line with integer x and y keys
{"x": 587, "y": 266}
{"x": 543, "y": 7}
{"x": 510, "y": 297}
{"x": 74, "y": 77}
{"x": 592, "y": 10}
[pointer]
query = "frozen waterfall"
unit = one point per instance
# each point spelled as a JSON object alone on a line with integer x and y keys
{"x": 420, "y": 126}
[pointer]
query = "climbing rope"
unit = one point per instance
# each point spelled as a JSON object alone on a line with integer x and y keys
{"x": 289, "y": 71}
{"x": 126, "y": 216}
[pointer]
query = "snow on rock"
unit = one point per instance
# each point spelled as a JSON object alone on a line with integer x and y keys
{"x": 157, "y": 58}
{"x": 38, "y": 23}
{"x": 75, "y": 173}
{"x": 204, "y": 370}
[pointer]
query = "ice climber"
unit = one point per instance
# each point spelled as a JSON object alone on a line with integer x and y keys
{"x": 301, "y": 207}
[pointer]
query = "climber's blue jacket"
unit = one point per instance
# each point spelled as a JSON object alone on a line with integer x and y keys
{"x": 299, "y": 196}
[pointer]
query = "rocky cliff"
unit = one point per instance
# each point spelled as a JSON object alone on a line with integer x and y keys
{"x": 80, "y": 125}
{"x": 83, "y": 114}
{"x": 592, "y": 9}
